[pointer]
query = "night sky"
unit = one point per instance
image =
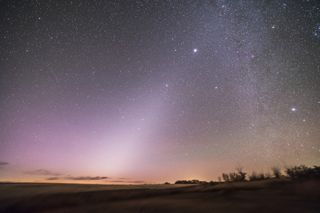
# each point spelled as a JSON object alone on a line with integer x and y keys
{"x": 132, "y": 91}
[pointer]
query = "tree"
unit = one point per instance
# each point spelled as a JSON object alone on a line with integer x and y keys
{"x": 225, "y": 177}
{"x": 241, "y": 175}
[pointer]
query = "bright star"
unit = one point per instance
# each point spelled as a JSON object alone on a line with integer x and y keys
{"x": 195, "y": 50}
{"x": 293, "y": 109}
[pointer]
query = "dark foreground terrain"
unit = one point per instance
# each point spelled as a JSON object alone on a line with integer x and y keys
{"x": 261, "y": 196}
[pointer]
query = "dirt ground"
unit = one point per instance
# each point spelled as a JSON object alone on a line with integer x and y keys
{"x": 261, "y": 196}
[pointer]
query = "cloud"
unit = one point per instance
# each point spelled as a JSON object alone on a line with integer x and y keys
{"x": 3, "y": 164}
{"x": 127, "y": 181}
{"x": 95, "y": 178}
{"x": 88, "y": 178}
{"x": 43, "y": 172}
{"x": 53, "y": 178}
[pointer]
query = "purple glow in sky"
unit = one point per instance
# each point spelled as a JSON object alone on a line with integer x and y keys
{"x": 138, "y": 91}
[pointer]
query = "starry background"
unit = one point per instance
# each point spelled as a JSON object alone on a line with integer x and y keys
{"x": 157, "y": 90}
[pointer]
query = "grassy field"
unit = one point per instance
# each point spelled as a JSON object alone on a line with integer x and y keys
{"x": 259, "y": 196}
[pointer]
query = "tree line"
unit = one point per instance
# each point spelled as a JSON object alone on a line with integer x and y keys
{"x": 294, "y": 173}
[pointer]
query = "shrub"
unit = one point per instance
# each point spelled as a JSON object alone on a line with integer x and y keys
{"x": 234, "y": 176}
{"x": 301, "y": 172}
{"x": 190, "y": 182}
{"x": 256, "y": 176}
{"x": 213, "y": 182}
{"x": 225, "y": 177}
{"x": 276, "y": 172}
{"x": 241, "y": 176}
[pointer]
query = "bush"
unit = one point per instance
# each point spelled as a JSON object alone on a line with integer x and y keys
{"x": 241, "y": 176}
{"x": 190, "y": 182}
{"x": 255, "y": 176}
{"x": 301, "y": 172}
{"x": 225, "y": 177}
{"x": 276, "y": 172}
{"x": 234, "y": 176}
{"x": 213, "y": 182}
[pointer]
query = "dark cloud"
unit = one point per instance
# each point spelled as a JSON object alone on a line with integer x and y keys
{"x": 43, "y": 172}
{"x": 127, "y": 181}
{"x": 59, "y": 176}
{"x": 78, "y": 178}
{"x": 86, "y": 177}
{"x": 53, "y": 178}
{"x": 3, "y": 164}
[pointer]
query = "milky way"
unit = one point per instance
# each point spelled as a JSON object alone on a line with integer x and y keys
{"x": 157, "y": 90}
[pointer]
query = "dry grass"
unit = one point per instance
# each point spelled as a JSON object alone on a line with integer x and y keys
{"x": 261, "y": 196}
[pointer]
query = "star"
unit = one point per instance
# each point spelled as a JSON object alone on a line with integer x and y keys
{"x": 316, "y": 31}
{"x": 284, "y": 5}
{"x": 293, "y": 109}
{"x": 195, "y": 50}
